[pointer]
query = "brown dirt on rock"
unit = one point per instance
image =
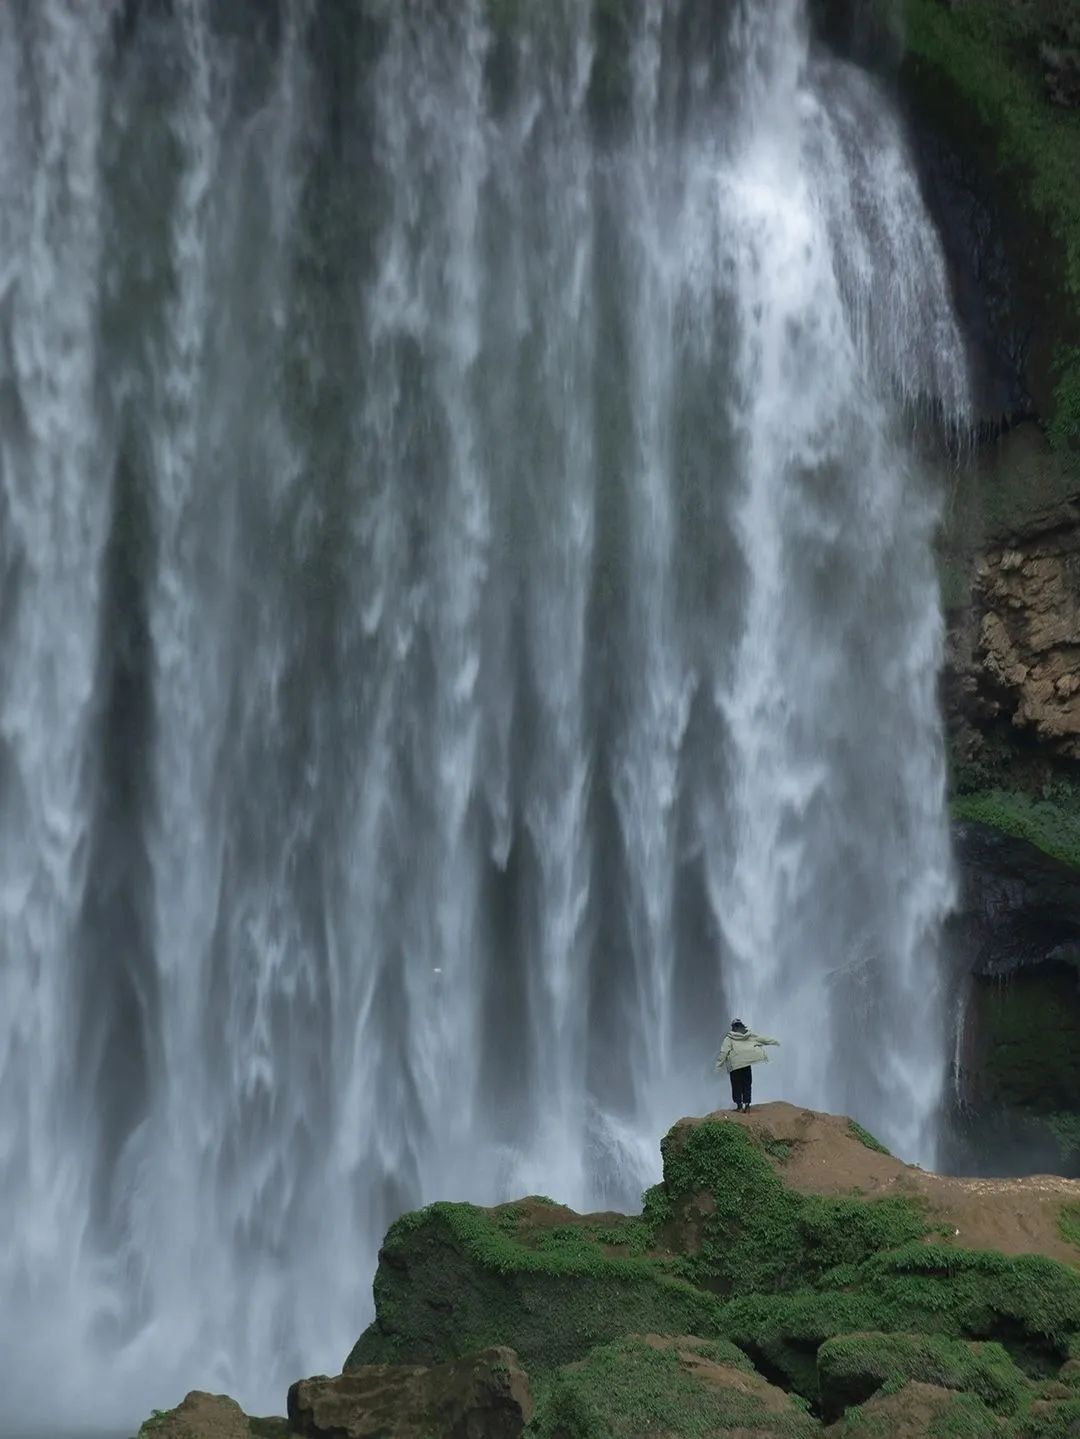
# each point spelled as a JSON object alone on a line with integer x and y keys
{"x": 913, "y": 1412}
{"x": 536, "y": 1213}
{"x": 726, "y": 1379}
{"x": 204, "y": 1416}
{"x": 486, "y": 1393}
{"x": 716, "y": 1375}
{"x": 1014, "y": 1216}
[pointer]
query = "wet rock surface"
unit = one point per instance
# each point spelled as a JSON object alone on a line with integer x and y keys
{"x": 1019, "y": 909}
{"x": 482, "y": 1396}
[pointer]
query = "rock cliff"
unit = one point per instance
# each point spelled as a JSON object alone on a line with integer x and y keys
{"x": 787, "y": 1278}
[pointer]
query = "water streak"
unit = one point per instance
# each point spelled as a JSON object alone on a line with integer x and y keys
{"x": 469, "y": 623}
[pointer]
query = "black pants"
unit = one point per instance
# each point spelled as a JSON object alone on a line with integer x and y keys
{"x": 741, "y": 1079}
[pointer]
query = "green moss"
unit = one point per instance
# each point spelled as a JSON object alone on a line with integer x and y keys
{"x": 778, "y": 1149}
{"x": 1050, "y": 822}
{"x": 853, "y": 1367}
{"x": 959, "y": 1416}
{"x": 630, "y": 1388}
{"x": 724, "y": 1251}
{"x": 1069, "y": 1223}
{"x": 270, "y": 1427}
{"x": 984, "y": 50}
{"x": 1029, "y": 1304}
{"x": 865, "y": 1137}
{"x": 633, "y": 1235}
{"x": 748, "y": 1231}
{"x": 1007, "y": 1014}
{"x": 451, "y": 1280}
{"x": 1065, "y": 1128}
{"x": 1065, "y": 429}
{"x": 656, "y": 1206}
{"x": 156, "y": 1421}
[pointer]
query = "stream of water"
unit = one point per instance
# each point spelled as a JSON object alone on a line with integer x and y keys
{"x": 468, "y": 626}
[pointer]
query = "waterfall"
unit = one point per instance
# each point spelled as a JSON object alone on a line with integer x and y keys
{"x": 469, "y": 627}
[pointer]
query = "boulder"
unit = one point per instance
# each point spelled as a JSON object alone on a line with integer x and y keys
{"x": 644, "y": 1386}
{"x": 853, "y": 1367}
{"x": 918, "y": 1411}
{"x": 484, "y": 1396}
{"x": 534, "y": 1276}
{"x": 199, "y": 1416}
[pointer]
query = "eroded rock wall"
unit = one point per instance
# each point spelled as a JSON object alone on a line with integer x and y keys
{"x": 1014, "y": 650}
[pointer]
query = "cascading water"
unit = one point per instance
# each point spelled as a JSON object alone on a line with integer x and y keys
{"x": 469, "y": 622}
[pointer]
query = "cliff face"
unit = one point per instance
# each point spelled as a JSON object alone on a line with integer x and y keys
{"x": 992, "y": 116}
{"x": 990, "y": 92}
{"x": 1014, "y": 657}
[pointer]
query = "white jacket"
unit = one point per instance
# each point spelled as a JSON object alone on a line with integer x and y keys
{"x": 739, "y": 1050}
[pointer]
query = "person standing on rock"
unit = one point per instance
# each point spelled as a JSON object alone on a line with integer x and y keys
{"x": 742, "y": 1048}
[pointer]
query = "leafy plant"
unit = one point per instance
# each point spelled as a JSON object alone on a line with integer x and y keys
{"x": 864, "y": 1136}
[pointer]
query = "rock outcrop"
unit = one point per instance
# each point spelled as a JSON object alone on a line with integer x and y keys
{"x": 1015, "y": 651}
{"x": 649, "y": 1384}
{"x": 792, "y": 1270}
{"x": 1018, "y": 909}
{"x": 788, "y": 1278}
{"x": 485, "y": 1396}
{"x": 210, "y": 1416}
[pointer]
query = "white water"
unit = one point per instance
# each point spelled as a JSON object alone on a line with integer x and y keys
{"x": 469, "y": 627}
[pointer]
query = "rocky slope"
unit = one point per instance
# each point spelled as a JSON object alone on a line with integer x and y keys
{"x": 787, "y": 1278}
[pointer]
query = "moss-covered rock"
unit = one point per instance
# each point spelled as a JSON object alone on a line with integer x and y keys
{"x": 210, "y": 1416}
{"x": 726, "y": 1249}
{"x": 644, "y": 1386}
{"x": 453, "y": 1278}
{"x": 736, "y": 1226}
{"x": 550, "y": 1284}
{"x": 919, "y": 1411}
{"x": 852, "y": 1368}
{"x": 1030, "y": 1305}
{"x": 485, "y": 1396}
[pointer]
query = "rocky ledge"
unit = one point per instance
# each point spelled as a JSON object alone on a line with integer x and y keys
{"x": 787, "y": 1278}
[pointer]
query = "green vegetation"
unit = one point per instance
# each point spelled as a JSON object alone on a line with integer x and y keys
{"x": 1009, "y": 1015}
{"x": 865, "y": 1137}
{"x": 1066, "y": 1130}
{"x": 778, "y": 1149}
{"x": 853, "y": 1368}
{"x": 1051, "y": 822}
{"x": 989, "y": 53}
{"x": 837, "y": 1301}
{"x": 949, "y": 1416}
{"x": 1069, "y": 1223}
{"x": 1029, "y": 1304}
{"x": 452, "y": 1280}
{"x": 756, "y": 1234}
{"x": 631, "y": 1388}
{"x": 1065, "y": 428}
{"x": 156, "y": 1421}
{"x": 175, "y": 1422}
